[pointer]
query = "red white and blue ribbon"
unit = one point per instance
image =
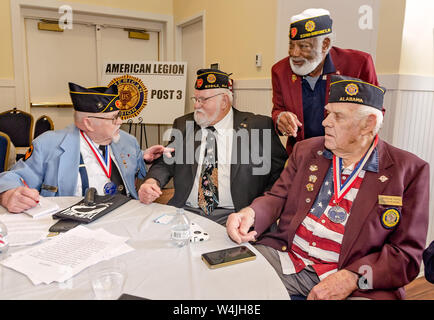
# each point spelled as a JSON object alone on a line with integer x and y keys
{"x": 105, "y": 163}
{"x": 340, "y": 190}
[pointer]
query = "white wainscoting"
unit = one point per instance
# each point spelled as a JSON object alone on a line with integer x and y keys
{"x": 409, "y": 104}
{"x": 7, "y": 94}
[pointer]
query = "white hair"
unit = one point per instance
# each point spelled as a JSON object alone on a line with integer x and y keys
{"x": 320, "y": 39}
{"x": 310, "y": 13}
{"x": 228, "y": 93}
{"x": 364, "y": 111}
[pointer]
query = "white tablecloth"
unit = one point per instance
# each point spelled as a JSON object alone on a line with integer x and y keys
{"x": 156, "y": 269}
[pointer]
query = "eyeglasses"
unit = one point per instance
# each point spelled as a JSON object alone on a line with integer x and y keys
{"x": 203, "y": 100}
{"x": 114, "y": 119}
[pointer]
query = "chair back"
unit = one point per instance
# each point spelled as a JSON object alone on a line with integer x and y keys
{"x": 18, "y": 125}
{"x": 5, "y": 145}
{"x": 44, "y": 123}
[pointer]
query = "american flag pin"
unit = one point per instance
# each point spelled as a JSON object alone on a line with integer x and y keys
{"x": 383, "y": 178}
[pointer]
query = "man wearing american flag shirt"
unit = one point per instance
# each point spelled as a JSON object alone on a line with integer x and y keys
{"x": 352, "y": 210}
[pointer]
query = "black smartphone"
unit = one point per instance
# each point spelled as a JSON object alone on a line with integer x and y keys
{"x": 64, "y": 225}
{"x": 227, "y": 257}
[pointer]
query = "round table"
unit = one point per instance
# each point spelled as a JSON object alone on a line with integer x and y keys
{"x": 156, "y": 269}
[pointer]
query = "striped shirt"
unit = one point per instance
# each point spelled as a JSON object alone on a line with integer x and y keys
{"x": 317, "y": 241}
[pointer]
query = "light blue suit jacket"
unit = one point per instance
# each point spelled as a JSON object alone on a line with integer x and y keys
{"x": 55, "y": 160}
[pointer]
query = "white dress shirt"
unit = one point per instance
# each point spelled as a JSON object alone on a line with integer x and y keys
{"x": 95, "y": 173}
{"x": 224, "y": 135}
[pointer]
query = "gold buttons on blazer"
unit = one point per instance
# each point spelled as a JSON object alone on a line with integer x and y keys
{"x": 313, "y": 167}
{"x": 313, "y": 178}
{"x": 284, "y": 248}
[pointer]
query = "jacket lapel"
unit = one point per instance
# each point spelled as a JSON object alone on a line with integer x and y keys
{"x": 69, "y": 161}
{"x": 295, "y": 97}
{"x": 119, "y": 154}
{"x": 318, "y": 167}
{"x": 240, "y": 122}
{"x": 366, "y": 199}
{"x": 189, "y": 137}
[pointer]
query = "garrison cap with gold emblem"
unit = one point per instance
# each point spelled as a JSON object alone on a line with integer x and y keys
{"x": 94, "y": 99}
{"x": 310, "y": 23}
{"x": 347, "y": 89}
{"x": 212, "y": 79}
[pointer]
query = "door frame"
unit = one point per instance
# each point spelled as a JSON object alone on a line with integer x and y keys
{"x": 21, "y": 9}
{"x": 178, "y": 34}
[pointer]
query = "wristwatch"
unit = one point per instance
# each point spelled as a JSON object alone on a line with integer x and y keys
{"x": 362, "y": 283}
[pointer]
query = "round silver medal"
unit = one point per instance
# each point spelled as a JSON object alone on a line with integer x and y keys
{"x": 337, "y": 214}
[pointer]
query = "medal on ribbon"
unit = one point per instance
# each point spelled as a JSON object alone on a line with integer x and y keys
{"x": 104, "y": 161}
{"x": 338, "y": 214}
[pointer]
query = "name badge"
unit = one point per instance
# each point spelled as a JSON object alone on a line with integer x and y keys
{"x": 390, "y": 200}
{"x": 49, "y": 188}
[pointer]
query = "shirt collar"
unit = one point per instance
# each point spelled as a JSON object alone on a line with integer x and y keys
{"x": 371, "y": 165}
{"x": 226, "y": 123}
{"x": 329, "y": 66}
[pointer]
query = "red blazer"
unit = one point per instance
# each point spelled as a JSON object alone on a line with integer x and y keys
{"x": 393, "y": 254}
{"x": 287, "y": 93}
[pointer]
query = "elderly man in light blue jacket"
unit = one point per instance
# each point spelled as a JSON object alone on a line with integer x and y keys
{"x": 93, "y": 152}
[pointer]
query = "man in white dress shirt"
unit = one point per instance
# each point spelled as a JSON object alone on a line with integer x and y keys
{"x": 214, "y": 179}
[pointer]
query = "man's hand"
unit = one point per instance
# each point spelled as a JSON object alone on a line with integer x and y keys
{"x": 19, "y": 199}
{"x": 337, "y": 286}
{"x": 238, "y": 225}
{"x": 288, "y": 123}
{"x": 149, "y": 191}
{"x": 155, "y": 152}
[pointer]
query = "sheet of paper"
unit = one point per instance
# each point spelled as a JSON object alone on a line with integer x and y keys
{"x": 24, "y": 230}
{"x": 66, "y": 255}
{"x": 44, "y": 207}
{"x": 25, "y": 238}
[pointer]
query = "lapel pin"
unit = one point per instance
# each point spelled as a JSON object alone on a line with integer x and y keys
{"x": 383, "y": 178}
{"x": 313, "y": 167}
{"x": 294, "y": 78}
{"x": 309, "y": 187}
{"x": 313, "y": 178}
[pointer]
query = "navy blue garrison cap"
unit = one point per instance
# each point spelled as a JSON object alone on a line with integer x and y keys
{"x": 94, "y": 99}
{"x": 212, "y": 79}
{"x": 347, "y": 89}
{"x": 310, "y": 27}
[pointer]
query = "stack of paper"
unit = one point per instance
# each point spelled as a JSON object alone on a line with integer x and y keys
{"x": 66, "y": 255}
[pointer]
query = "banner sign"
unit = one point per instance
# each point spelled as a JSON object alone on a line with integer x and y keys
{"x": 149, "y": 91}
